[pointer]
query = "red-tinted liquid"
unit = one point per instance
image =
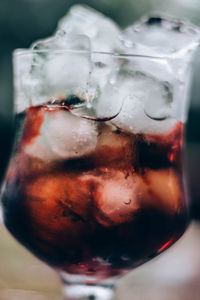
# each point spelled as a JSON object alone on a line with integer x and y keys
{"x": 101, "y": 213}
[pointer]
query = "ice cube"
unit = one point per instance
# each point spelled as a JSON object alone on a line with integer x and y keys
{"x": 61, "y": 194}
{"x": 166, "y": 190}
{"x": 56, "y": 70}
{"x": 58, "y": 204}
{"x": 161, "y": 35}
{"x": 116, "y": 198}
{"x": 146, "y": 103}
{"x": 111, "y": 140}
{"x": 63, "y": 64}
{"x": 119, "y": 198}
{"x": 63, "y": 136}
{"x": 104, "y": 37}
{"x": 102, "y": 31}
{"x": 63, "y": 41}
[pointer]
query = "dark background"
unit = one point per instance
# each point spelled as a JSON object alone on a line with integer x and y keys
{"x": 23, "y": 21}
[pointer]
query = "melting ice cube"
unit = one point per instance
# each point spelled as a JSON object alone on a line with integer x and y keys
{"x": 102, "y": 31}
{"x": 63, "y": 136}
{"x": 116, "y": 198}
{"x": 172, "y": 39}
{"x": 56, "y": 69}
{"x": 146, "y": 102}
{"x": 103, "y": 34}
{"x": 159, "y": 35}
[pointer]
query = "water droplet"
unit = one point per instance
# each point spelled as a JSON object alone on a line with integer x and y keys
{"x": 128, "y": 202}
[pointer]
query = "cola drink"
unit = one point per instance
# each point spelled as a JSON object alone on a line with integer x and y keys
{"x": 100, "y": 208}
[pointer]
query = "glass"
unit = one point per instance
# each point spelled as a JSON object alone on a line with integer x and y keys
{"x": 95, "y": 186}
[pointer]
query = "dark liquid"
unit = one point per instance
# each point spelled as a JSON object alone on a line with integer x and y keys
{"x": 100, "y": 213}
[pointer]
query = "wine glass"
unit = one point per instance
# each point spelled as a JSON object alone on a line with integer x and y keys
{"x": 95, "y": 185}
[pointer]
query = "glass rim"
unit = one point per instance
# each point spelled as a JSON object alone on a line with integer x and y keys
{"x": 23, "y": 51}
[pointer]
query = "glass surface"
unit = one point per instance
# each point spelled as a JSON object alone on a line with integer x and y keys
{"x": 95, "y": 185}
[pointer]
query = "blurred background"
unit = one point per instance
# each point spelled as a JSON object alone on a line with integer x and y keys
{"x": 21, "y": 23}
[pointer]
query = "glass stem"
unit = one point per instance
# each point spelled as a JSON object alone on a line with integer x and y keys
{"x": 90, "y": 292}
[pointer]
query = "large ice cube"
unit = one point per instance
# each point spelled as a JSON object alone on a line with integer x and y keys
{"x": 63, "y": 64}
{"x": 160, "y": 35}
{"x": 56, "y": 70}
{"x": 145, "y": 104}
{"x": 104, "y": 37}
{"x": 116, "y": 198}
{"x": 102, "y": 31}
{"x": 119, "y": 199}
{"x": 172, "y": 39}
{"x": 63, "y": 136}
